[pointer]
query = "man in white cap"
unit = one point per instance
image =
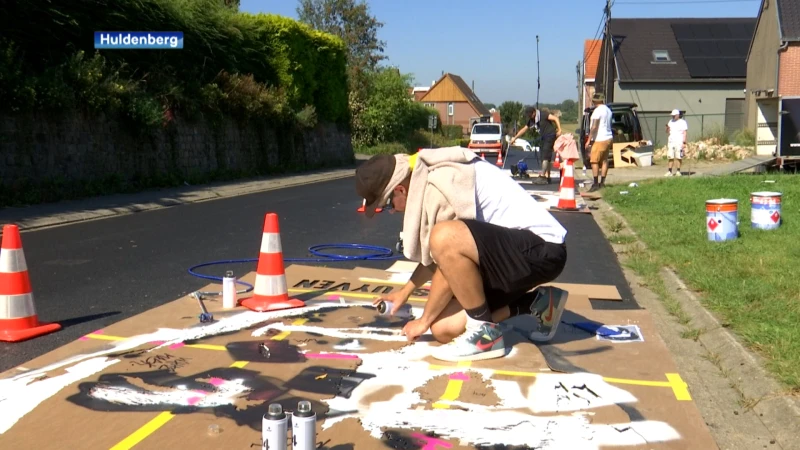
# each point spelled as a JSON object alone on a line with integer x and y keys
{"x": 677, "y": 129}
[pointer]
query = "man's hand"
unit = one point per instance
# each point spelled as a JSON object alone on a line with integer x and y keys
{"x": 414, "y": 329}
{"x": 398, "y": 299}
{"x": 512, "y": 141}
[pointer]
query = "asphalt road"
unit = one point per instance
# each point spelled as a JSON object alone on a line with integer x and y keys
{"x": 89, "y": 275}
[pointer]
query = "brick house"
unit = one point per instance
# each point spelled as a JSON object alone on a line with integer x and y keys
{"x": 591, "y": 56}
{"x": 456, "y": 102}
{"x": 773, "y": 77}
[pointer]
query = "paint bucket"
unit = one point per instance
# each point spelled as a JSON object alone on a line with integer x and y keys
{"x": 722, "y": 219}
{"x": 765, "y": 213}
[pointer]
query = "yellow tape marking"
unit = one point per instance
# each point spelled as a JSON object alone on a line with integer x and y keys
{"x": 679, "y": 387}
{"x": 453, "y": 389}
{"x": 160, "y": 420}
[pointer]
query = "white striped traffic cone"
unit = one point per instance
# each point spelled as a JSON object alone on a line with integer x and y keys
{"x": 566, "y": 195}
{"x": 18, "y": 318}
{"x": 270, "y": 292}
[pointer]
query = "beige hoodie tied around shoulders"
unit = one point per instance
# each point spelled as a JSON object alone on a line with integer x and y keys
{"x": 442, "y": 188}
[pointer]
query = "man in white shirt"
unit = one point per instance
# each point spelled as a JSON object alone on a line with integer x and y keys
{"x": 490, "y": 245}
{"x": 677, "y": 129}
{"x": 601, "y": 140}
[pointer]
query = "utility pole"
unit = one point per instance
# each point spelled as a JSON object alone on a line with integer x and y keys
{"x": 609, "y": 56}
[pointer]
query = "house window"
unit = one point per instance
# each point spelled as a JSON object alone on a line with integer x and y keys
{"x": 661, "y": 56}
{"x": 429, "y": 105}
{"x": 450, "y": 109}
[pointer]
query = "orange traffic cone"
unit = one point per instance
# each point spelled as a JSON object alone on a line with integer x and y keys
{"x": 483, "y": 157}
{"x": 270, "y": 292}
{"x": 499, "y": 162}
{"x": 18, "y": 318}
{"x": 566, "y": 195}
{"x": 364, "y": 207}
{"x": 557, "y": 162}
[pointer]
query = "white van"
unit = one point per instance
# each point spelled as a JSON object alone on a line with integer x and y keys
{"x": 486, "y": 138}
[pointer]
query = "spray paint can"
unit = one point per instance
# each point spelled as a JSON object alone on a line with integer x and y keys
{"x": 304, "y": 427}
{"x": 274, "y": 428}
{"x": 385, "y": 308}
{"x": 229, "y": 291}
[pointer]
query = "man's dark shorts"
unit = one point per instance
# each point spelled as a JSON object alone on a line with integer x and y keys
{"x": 512, "y": 262}
{"x": 547, "y": 147}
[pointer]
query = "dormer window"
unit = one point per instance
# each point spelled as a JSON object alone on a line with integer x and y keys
{"x": 661, "y": 56}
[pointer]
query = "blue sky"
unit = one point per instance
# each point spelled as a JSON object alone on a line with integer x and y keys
{"x": 493, "y": 42}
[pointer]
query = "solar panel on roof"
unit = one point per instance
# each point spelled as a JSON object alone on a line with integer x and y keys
{"x": 727, "y": 48}
{"x": 720, "y": 31}
{"x": 697, "y": 68}
{"x": 681, "y": 31}
{"x": 701, "y": 31}
{"x": 708, "y": 48}
{"x": 717, "y": 68}
{"x": 690, "y": 49}
{"x": 737, "y": 67}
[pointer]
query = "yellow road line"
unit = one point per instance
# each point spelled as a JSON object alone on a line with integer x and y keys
{"x": 453, "y": 389}
{"x": 161, "y": 419}
{"x": 679, "y": 387}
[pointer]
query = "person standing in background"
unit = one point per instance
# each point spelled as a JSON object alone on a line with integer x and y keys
{"x": 677, "y": 129}
{"x": 600, "y": 140}
{"x": 549, "y": 127}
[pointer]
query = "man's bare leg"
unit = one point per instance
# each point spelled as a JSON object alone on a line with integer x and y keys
{"x": 456, "y": 255}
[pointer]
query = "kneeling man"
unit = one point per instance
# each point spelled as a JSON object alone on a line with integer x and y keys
{"x": 482, "y": 241}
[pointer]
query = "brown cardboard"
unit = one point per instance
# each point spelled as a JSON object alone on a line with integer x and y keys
{"x": 68, "y": 419}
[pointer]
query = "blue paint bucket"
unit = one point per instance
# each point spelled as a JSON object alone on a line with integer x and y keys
{"x": 766, "y": 210}
{"x": 722, "y": 219}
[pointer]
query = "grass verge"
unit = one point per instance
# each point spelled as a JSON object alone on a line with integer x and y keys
{"x": 748, "y": 282}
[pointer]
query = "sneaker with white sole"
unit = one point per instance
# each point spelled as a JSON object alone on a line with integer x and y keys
{"x": 547, "y": 308}
{"x": 484, "y": 341}
{"x": 678, "y": 173}
{"x": 668, "y": 174}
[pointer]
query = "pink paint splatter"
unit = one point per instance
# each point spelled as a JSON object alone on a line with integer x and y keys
{"x": 193, "y": 400}
{"x": 430, "y": 443}
{"x": 86, "y": 338}
{"x": 178, "y": 345}
{"x": 329, "y": 356}
{"x": 216, "y": 381}
{"x": 157, "y": 342}
{"x": 460, "y": 376}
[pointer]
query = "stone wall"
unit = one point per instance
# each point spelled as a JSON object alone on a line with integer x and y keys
{"x": 43, "y": 150}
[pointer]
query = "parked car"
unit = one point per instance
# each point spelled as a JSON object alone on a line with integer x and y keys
{"x": 488, "y": 138}
{"x": 624, "y": 124}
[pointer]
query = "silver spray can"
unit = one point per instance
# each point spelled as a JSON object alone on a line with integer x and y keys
{"x": 229, "y": 291}
{"x": 274, "y": 428}
{"x": 385, "y": 308}
{"x": 304, "y": 427}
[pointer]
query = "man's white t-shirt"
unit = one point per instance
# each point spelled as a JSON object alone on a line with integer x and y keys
{"x": 603, "y": 115}
{"x": 504, "y": 202}
{"x": 676, "y": 129}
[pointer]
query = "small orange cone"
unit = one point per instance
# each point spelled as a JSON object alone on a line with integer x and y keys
{"x": 270, "y": 292}
{"x": 499, "y": 162}
{"x": 557, "y": 162}
{"x": 18, "y": 318}
{"x": 483, "y": 157}
{"x": 566, "y": 195}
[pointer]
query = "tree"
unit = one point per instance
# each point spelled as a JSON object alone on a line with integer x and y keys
{"x": 490, "y": 105}
{"x": 352, "y": 22}
{"x": 511, "y": 115}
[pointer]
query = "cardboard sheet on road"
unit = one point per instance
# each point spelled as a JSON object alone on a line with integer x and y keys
{"x": 160, "y": 379}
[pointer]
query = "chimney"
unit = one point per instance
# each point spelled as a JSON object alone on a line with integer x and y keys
{"x": 473, "y": 85}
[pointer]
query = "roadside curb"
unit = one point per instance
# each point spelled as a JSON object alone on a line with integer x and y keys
{"x": 69, "y": 212}
{"x": 778, "y": 412}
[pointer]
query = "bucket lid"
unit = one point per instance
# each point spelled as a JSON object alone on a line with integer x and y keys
{"x": 766, "y": 194}
{"x": 722, "y": 201}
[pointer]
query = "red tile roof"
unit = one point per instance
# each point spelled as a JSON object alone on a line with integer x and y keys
{"x": 591, "y": 57}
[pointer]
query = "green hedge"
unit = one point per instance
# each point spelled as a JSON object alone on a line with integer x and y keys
{"x": 253, "y": 64}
